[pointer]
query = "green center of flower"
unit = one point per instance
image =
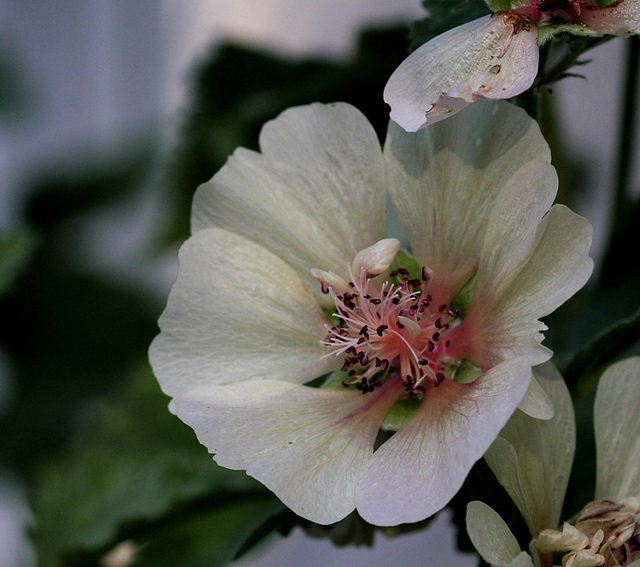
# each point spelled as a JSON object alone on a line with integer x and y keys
{"x": 389, "y": 329}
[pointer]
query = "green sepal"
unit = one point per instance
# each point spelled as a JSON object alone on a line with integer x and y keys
{"x": 462, "y": 301}
{"x": 330, "y": 313}
{"x": 408, "y": 262}
{"x": 533, "y": 552}
{"x": 318, "y": 382}
{"x": 467, "y": 372}
{"x": 334, "y": 381}
{"x": 546, "y": 33}
{"x": 500, "y": 5}
{"x": 603, "y": 3}
{"x": 400, "y": 413}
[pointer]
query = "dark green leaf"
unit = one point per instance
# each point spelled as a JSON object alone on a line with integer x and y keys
{"x": 559, "y": 55}
{"x": 582, "y": 482}
{"x": 210, "y": 539}
{"x": 16, "y": 249}
{"x": 14, "y": 99}
{"x": 583, "y": 370}
{"x": 92, "y": 179}
{"x": 71, "y": 339}
{"x": 445, "y": 15}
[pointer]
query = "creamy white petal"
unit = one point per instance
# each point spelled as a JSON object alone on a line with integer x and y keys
{"x": 522, "y": 560}
{"x": 512, "y": 230}
{"x": 237, "y": 312}
{"x": 532, "y": 458}
{"x": 315, "y": 196}
{"x": 617, "y": 428}
{"x": 536, "y": 403}
{"x": 488, "y": 58}
{"x": 445, "y": 182}
{"x": 506, "y": 324}
{"x": 414, "y": 474}
{"x": 490, "y": 535}
{"x": 621, "y": 18}
{"x": 306, "y": 445}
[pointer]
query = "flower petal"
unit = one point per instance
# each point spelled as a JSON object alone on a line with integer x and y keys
{"x": 536, "y": 403}
{"x": 306, "y": 445}
{"x": 522, "y": 560}
{"x": 490, "y": 535}
{"x": 415, "y": 473}
{"x": 621, "y": 18}
{"x": 488, "y": 58}
{"x": 237, "y": 312}
{"x": 315, "y": 196}
{"x": 445, "y": 182}
{"x": 513, "y": 226}
{"x": 617, "y": 427}
{"x": 532, "y": 458}
{"x": 506, "y": 324}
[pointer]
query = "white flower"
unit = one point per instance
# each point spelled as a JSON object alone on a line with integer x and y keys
{"x": 284, "y": 236}
{"x": 493, "y": 57}
{"x": 532, "y": 460}
{"x": 621, "y": 17}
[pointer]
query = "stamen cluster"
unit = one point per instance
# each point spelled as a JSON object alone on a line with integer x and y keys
{"x": 390, "y": 331}
{"x": 606, "y": 534}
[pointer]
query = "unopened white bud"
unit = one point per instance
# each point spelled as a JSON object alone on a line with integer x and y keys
{"x": 377, "y": 258}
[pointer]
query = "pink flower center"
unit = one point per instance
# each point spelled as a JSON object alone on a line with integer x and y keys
{"x": 542, "y": 12}
{"x": 391, "y": 331}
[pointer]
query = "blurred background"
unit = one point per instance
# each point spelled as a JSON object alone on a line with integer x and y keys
{"x": 111, "y": 113}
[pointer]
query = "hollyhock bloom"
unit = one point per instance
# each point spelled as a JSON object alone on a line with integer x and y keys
{"x": 532, "y": 459}
{"x": 494, "y": 57}
{"x": 297, "y": 333}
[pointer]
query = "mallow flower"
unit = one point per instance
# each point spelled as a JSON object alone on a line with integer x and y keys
{"x": 495, "y": 56}
{"x": 305, "y": 347}
{"x": 532, "y": 459}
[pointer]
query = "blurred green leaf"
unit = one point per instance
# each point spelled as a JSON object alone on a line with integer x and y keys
{"x": 444, "y": 15}
{"x": 71, "y": 338}
{"x": 135, "y": 472}
{"x": 70, "y": 335}
{"x": 16, "y": 248}
{"x": 583, "y": 370}
{"x": 92, "y": 179}
{"x": 210, "y": 539}
{"x": 14, "y": 100}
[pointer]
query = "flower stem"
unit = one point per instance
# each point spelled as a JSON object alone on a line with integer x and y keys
{"x": 529, "y": 100}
